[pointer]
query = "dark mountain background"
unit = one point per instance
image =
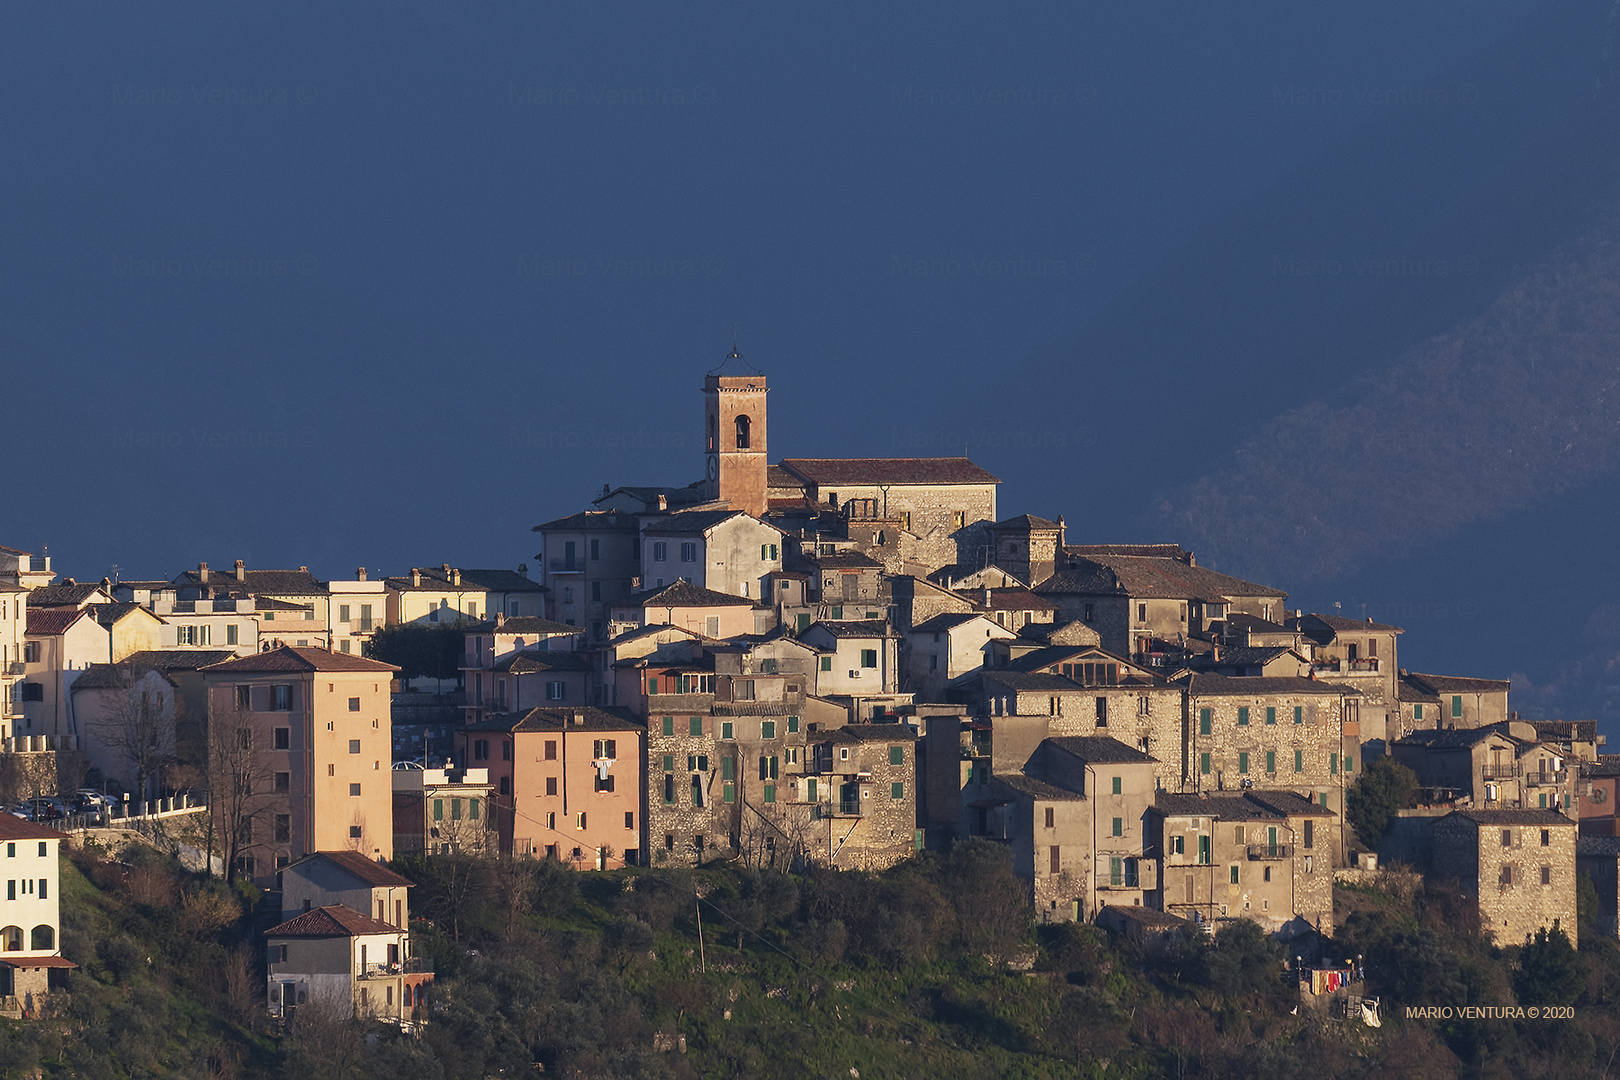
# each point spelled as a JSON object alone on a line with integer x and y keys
{"x": 1326, "y": 294}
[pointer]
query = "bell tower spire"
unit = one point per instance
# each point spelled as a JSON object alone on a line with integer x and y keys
{"x": 734, "y": 433}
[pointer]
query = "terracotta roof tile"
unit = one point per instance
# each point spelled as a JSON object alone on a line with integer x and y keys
{"x": 370, "y": 871}
{"x": 333, "y": 921}
{"x": 867, "y": 471}
{"x": 295, "y": 659}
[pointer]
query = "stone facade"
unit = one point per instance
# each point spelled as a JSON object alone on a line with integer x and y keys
{"x": 866, "y": 790}
{"x": 1518, "y": 865}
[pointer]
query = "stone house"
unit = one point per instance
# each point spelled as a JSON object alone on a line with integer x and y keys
{"x": 590, "y": 561}
{"x": 1517, "y": 865}
{"x": 1502, "y": 766}
{"x": 316, "y": 730}
{"x": 847, "y": 578}
{"x": 860, "y": 788}
{"x": 1076, "y": 821}
{"x": 1017, "y": 609}
{"x": 1357, "y": 653}
{"x": 858, "y": 667}
{"x": 1267, "y": 856}
{"x": 1133, "y": 599}
{"x": 1027, "y": 546}
{"x": 568, "y": 783}
{"x": 1448, "y": 701}
{"x": 1277, "y": 734}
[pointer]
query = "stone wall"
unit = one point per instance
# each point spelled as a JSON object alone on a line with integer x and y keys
{"x": 1238, "y": 751}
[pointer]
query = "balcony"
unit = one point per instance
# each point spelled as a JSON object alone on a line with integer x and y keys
{"x": 1368, "y": 666}
{"x": 1125, "y": 879}
{"x": 1545, "y": 778}
{"x": 566, "y": 566}
{"x": 16, "y": 667}
{"x": 849, "y": 808}
{"x": 1499, "y": 771}
{"x": 1271, "y": 851}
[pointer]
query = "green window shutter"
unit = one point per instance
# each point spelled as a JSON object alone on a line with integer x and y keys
{"x": 1234, "y": 874}
{"x": 810, "y": 790}
{"x": 764, "y": 552}
{"x": 826, "y": 663}
{"x": 438, "y": 809}
{"x": 1324, "y": 798}
{"x": 770, "y": 793}
{"x": 697, "y": 725}
{"x": 669, "y": 725}
{"x": 728, "y": 768}
{"x": 1456, "y": 705}
{"x": 804, "y": 623}
{"x": 1544, "y": 800}
{"x": 897, "y": 791}
{"x": 1417, "y": 711}
{"x": 1243, "y": 716}
{"x": 1299, "y": 714}
{"x": 1203, "y": 721}
{"x": 1119, "y": 827}
{"x": 1333, "y": 764}
{"x": 897, "y": 755}
{"x": 1271, "y": 714}
{"x": 767, "y": 729}
{"x": 726, "y": 730}
{"x": 1299, "y": 761}
{"x": 1203, "y": 851}
{"x": 472, "y": 809}
{"x": 1271, "y": 761}
{"x": 669, "y": 762}
{"x": 728, "y": 793}
{"x": 1117, "y": 783}
{"x": 793, "y": 725}
{"x": 1203, "y": 764}
{"x": 868, "y": 658}
{"x": 1243, "y": 763}
{"x": 1116, "y": 870}
{"x": 838, "y": 611}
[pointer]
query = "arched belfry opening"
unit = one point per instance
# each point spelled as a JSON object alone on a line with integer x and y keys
{"x": 735, "y": 420}
{"x": 742, "y": 433}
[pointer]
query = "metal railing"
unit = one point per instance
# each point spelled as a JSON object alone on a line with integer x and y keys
{"x": 1498, "y": 771}
{"x": 1271, "y": 851}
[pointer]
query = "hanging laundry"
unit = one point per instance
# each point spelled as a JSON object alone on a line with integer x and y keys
{"x": 1369, "y": 1014}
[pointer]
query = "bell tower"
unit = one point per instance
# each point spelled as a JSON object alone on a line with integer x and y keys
{"x": 734, "y": 430}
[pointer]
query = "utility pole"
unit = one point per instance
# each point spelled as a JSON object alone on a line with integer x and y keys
{"x": 697, "y": 904}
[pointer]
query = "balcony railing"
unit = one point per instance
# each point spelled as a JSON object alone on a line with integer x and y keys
{"x": 1363, "y": 666}
{"x": 16, "y": 667}
{"x": 1271, "y": 851}
{"x": 567, "y": 566}
{"x": 849, "y": 807}
{"x": 1107, "y": 879}
{"x": 1498, "y": 771}
{"x": 1545, "y": 778}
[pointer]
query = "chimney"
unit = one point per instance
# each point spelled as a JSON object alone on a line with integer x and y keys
{"x": 500, "y": 619}
{"x": 606, "y": 491}
{"x": 69, "y": 581}
{"x": 577, "y": 718}
{"x": 416, "y": 577}
{"x": 303, "y": 569}
{"x": 523, "y": 568}
{"x": 202, "y": 571}
{"x": 241, "y": 570}
{"x": 987, "y": 596}
{"x": 1062, "y": 530}
{"x": 446, "y": 568}
{"x": 455, "y": 578}
{"x": 663, "y": 502}
{"x": 360, "y": 573}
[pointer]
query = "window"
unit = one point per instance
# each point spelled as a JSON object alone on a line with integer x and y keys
{"x": 1243, "y": 763}
{"x": 826, "y": 663}
{"x": 1299, "y": 761}
{"x": 1054, "y": 861}
{"x": 551, "y": 750}
{"x": 280, "y": 698}
{"x": 283, "y": 828}
{"x": 1333, "y": 764}
{"x": 1417, "y": 711}
{"x": 727, "y": 729}
{"x": 354, "y": 789}
{"x": 1141, "y": 613}
{"x": 30, "y": 652}
{"x": 695, "y": 726}
{"x": 868, "y": 658}
{"x": 660, "y": 551}
{"x": 669, "y": 725}
{"x": 596, "y": 550}
{"x": 1203, "y": 721}
{"x": 1456, "y": 705}
{"x": 793, "y": 722}
{"x": 1506, "y": 877}
{"x": 770, "y": 793}
{"x": 1546, "y": 837}
{"x": 354, "y": 832}
{"x": 1234, "y": 873}
{"x": 1203, "y": 851}
{"x": 1546, "y": 878}
{"x": 1102, "y": 712}
{"x": 354, "y": 746}
{"x": 556, "y": 690}
{"x": 897, "y": 755}
{"x": 603, "y": 783}
{"x": 551, "y": 785}
{"x": 283, "y": 781}
{"x": 1089, "y": 614}
{"x": 1118, "y": 828}
{"x": 1310, "y": 833}
{"x": 1271, "y": 715}
{"x": 1203, "y": 764}
{"x": 1117, "y": 785}
{"x": 579, "y": 820}
{"x": 605, "y": 749}
{"x": 283, "y": 738}
{"x": 1299, "y": 714}
{"x": 1243, "y": 716}
{"x": 897, "y": 791}
{"x": 354, "y": 704}
{"x": 1271, "y": 761}
{"x": 767, "y": 729}
{"x": 231, "y": 632}
{"x": 1050, "y": 815}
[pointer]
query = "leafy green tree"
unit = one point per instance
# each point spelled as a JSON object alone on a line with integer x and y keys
{"x": 432, "y": 652}
{"x": 1243, "y": 960}
{"x": 1384, "y": 788}
{"x": 1550, "y": 972}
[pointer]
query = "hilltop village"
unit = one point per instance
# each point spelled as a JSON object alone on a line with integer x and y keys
{"x": 809, "y": 661}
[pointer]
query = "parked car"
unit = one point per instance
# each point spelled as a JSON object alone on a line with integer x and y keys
{"x": 43, "y": 809}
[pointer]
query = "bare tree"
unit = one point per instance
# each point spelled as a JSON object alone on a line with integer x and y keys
{"x": 239, "y": 783}
{"x": 136, "y": 724}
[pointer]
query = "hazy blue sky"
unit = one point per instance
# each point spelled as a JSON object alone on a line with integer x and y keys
{"x": 390, "y": 283}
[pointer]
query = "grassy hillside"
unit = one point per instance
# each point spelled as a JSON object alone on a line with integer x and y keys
{"x": 930, "y": 970}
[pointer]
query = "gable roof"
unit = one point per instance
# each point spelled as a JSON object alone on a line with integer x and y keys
{"x": 1251, "y": 805}
{"x": 1208, "y": 684}
{"x": 504, "y": 581}
{"x": 295, "y": 659}
{"x": 15, "y": 828}
{"x": 298, "y": 582}
{"x": 1101, "y": 749}
{"x": 950, "y": 620}
{"x": 333, "y": 921}
{"x": 1511, "y": 817}
{"x": 48, "y": 622}
{"x": 63, "y": 595}
{"x": 356, "y": 865}
{"x": 696, "y": 522}
{"x": 592, "y": 521}
{"x": 1035, "y": 789}
{"x": 1145, "y": 576}
{"x": 585, "y": 718}
{"x": 683, "y": 594}
{"x": 866, "y": 733}
{"x": 1453, "y": 684}
{"x": 871, "y": 471}
{"x": 1156, "y": 551}
{"x": 532, "y": 661}
{"x": 1026, "y": 521}
{"x": 109, "y": 615}
{"x": 853, "y": 628}
{"x": 1019, "y": 599}
{"x": 1452, "y": 738}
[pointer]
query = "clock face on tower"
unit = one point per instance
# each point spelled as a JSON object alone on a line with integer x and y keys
{"x": 714, "y": 467}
